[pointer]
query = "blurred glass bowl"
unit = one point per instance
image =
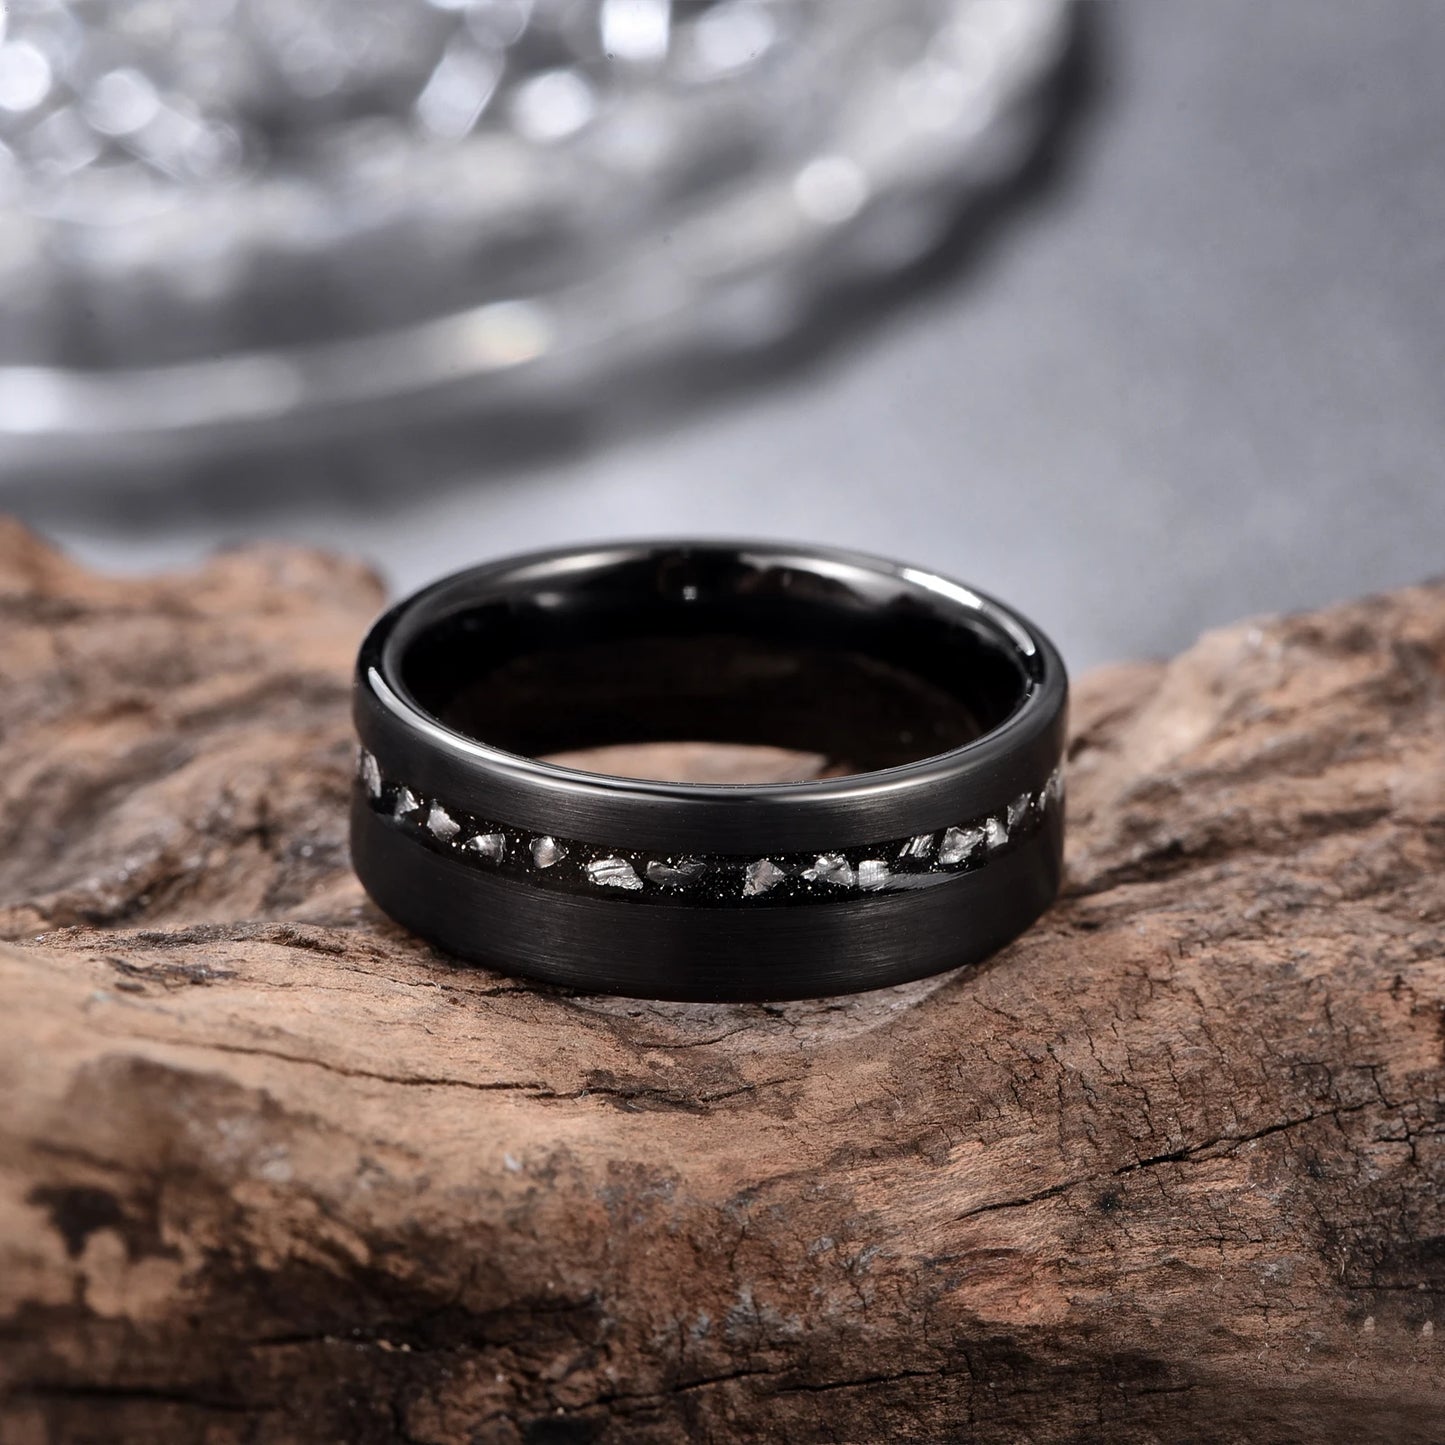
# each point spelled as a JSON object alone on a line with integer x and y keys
{"x": 226, "y": 217}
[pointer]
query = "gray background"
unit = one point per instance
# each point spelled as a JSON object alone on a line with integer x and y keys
{"x": 1198, "y": 372}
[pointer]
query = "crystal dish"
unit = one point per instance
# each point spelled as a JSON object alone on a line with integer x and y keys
{"x": 237, "y": 217}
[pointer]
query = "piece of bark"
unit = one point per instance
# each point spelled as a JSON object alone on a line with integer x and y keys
{"x": 1170, "y": 1168}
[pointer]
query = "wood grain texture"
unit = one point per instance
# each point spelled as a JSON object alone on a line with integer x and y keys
{"x": 1170, "y": 1168}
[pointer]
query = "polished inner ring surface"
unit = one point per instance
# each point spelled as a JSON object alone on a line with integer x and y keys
{"x": 941, "y": 714}
{"x": 711, "y": 649}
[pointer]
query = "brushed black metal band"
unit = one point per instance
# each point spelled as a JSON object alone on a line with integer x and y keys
{"x": 941, "y": 841}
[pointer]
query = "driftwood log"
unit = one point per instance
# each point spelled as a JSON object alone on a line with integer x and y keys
{"x": 1172, "y": 1168}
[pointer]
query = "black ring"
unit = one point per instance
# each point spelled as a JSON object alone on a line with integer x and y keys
{"x": 940, "y": 841}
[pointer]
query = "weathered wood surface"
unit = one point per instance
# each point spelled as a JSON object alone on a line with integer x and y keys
{"x": 1171, "y": 1168}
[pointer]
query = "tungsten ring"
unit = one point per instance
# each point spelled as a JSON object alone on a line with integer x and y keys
{"x": 932, "y": 836}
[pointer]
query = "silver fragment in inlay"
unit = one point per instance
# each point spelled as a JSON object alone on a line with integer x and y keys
{"x": 441, "y": 825}
{"x": 1018, "y": 810}
{"x": 613, "y": 873}
{"x": 761, "y": 876}
{"x": 675, "y": 875}
{"x": 958, "y": 843}
{"x": 872, "y": 874}
{"x": 369, "y": 770}
{"x": 833, "y": 869}
{"x": 1054, "y": 788}
{"x": 491, "y": 846}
